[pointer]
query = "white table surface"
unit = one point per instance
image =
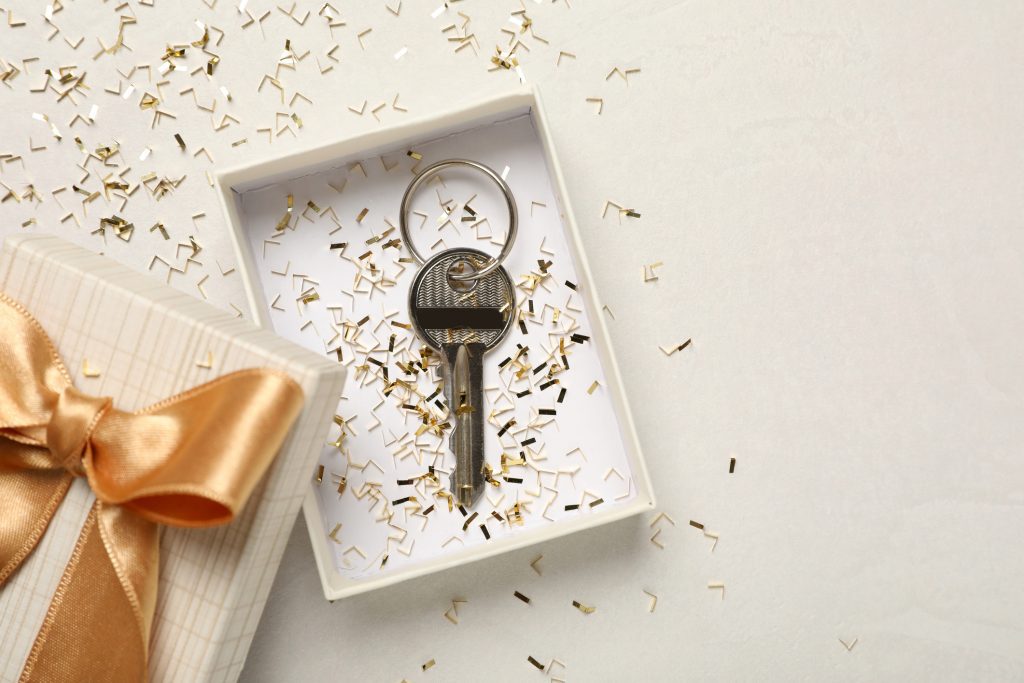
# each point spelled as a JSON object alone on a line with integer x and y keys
{"x": 836, "y": 190}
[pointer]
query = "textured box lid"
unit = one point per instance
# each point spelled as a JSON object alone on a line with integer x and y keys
{"x": 149, "y": 341}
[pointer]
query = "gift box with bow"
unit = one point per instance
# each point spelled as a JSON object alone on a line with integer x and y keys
{"x": 154, "y": 452}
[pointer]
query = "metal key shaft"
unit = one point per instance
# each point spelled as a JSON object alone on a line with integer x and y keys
{"x": 462, "y": 322}
{"x": 463, "y": 383}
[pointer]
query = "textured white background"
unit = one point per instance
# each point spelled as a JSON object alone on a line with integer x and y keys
{"x": 837, "y": 192}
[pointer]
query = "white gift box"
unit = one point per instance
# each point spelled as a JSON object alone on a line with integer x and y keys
{"x": 307, "y": 227}
{"x": 128, "y": 336}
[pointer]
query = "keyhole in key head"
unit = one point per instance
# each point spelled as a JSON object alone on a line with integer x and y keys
{"x": 461, "y": 267}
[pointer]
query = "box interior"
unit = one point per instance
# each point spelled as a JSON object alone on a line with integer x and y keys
{"x": 332, "y": 279}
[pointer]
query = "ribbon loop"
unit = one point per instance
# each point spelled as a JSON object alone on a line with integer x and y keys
{"x": 71, "y": 426}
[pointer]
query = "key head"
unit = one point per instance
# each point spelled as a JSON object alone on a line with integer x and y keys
{"x": 446, "y": 311}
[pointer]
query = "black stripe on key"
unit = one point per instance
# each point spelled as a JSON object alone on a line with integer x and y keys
{"x": 458, "y": 318}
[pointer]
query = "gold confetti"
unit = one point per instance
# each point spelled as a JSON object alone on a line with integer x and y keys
{"x": 522, "y": 597}
{"x": 850, "y": 645}
{"x": 428, "y": 664}
{"x": 669, "y": 351}
{"x": 537, "y": 664}
{"x": 732, "y": 465}
{"x": 599, "y": 102}
{"x": 649, "y": 274}
{"x": 206, "y": 363}
{"x": 533, "y": 565}
{"x": 654, "y": 600}
{"x": 360, "y": 35}
{"x": 583, "y": 608}
{"x": 717, "y": 585}
{"x": 659, "y": 517}
{"x": 89, "y": 371}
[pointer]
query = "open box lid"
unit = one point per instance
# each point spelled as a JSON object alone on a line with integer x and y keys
{"x": 125, "y": 335}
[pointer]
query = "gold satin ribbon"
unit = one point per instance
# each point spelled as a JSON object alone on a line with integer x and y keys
{"x": 189, "y": 461}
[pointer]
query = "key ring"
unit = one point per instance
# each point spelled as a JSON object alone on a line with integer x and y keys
{"x": 513, "y": 216}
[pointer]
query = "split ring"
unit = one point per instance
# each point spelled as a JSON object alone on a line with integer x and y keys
{"x": 513, "y": 216}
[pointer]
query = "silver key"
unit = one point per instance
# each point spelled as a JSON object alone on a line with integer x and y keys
{"x": 462, "y": 320}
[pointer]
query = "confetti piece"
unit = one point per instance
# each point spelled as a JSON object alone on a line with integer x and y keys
{"x": 360, "y": 35}
{"x": 537, "y": 664}
{"x": 654, "y": 600}
{"x": 428, "y": 664}
{"x": 536, "y": 561}
{"x": 849, "y": 646}
{"x": 583, "y": 608}
{"x": 660, "y": 516}
{"x": 717, "y": 585}
{"x": 89, "y": 371}
{"x": 206, "y": 363}
{"x": 599, "y": 102}
{"x": 522, "y": 597}
{"x": 649, "y": 271}
{"x": 680, "y": 347}
{"x": 732, "y": 465}
{"x": 696, "y": 525}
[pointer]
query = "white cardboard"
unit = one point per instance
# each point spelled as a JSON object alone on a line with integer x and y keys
{"x": 508, "y": 133}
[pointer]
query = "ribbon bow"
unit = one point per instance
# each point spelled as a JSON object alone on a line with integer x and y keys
{"x": 190, "y": 461}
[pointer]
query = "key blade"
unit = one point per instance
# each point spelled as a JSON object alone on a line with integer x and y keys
{"x": 462, "y": 437}
{"x": 466, "y": 405}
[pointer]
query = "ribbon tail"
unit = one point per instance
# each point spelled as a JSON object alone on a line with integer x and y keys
{"x": 29, "y": 500}
{"x": 110, "y": 581}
